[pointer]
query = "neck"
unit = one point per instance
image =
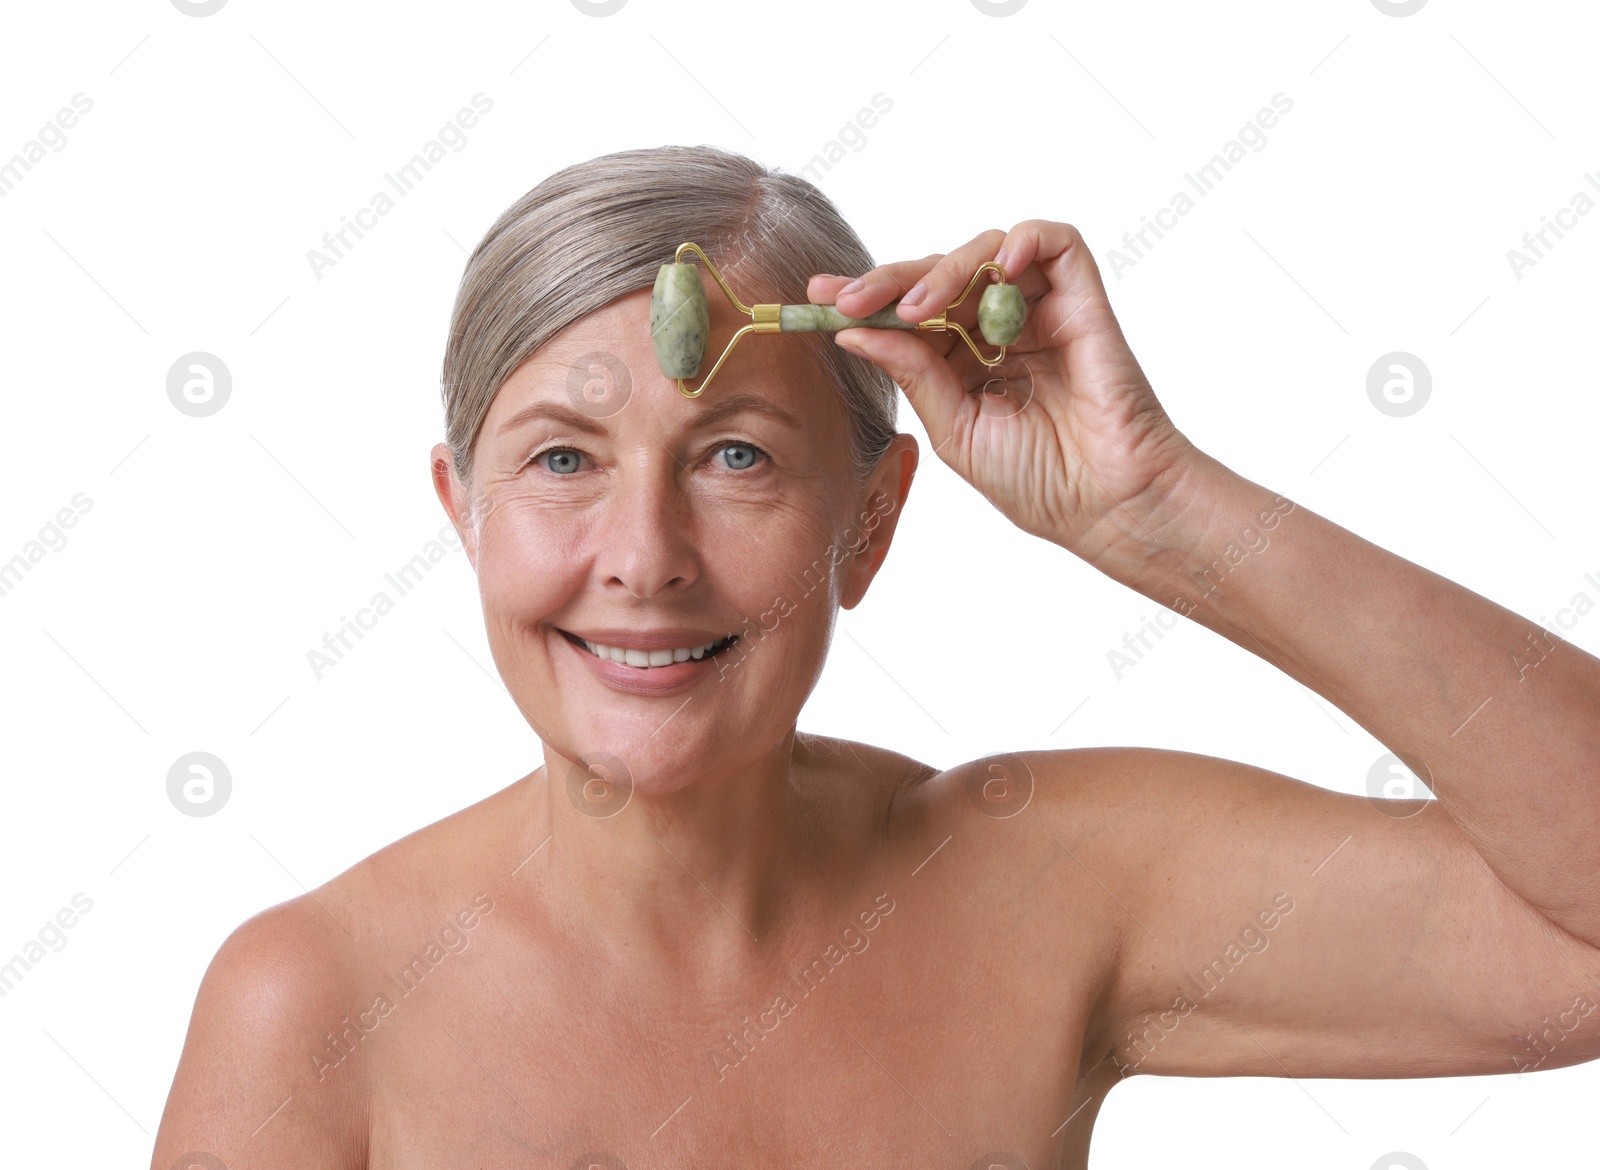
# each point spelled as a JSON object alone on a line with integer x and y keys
{"x": 707, "y": 869}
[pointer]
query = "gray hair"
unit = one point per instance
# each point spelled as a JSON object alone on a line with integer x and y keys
{"x": 599, "y": 230}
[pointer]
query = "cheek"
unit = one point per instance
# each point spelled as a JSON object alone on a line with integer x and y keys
{"x": 797, "y": 573}
{"x": 530, "y": 559}
{"x": 792, "y": 540}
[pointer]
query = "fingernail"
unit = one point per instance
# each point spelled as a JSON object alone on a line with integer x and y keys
{"x": 1000, "y": 257}
{"x": 915, "y": 295}
{"x": 853, "y": 286}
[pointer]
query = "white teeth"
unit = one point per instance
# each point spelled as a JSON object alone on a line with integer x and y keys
{"x": 648, "y": 658}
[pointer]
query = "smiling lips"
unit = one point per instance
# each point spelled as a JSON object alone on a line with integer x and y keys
{"x": 656, "y": 648}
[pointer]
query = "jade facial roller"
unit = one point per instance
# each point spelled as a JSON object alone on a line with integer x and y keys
{"x": 680, "y": 319}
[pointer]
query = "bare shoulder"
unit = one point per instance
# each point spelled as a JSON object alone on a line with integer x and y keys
{"x": 1120, "y": 812}
{"x": 1027, "y": 854}
{"x": 405, "y": 875}
{"x": 291, "y": 982}
{"x": 1083, "y": 783}
{"x": 993, "y": 783}
{"x": 919, "y": 797}
{"x": 244, "y": 1090}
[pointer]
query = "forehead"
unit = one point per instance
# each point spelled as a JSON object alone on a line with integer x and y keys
{"x": 609, "y": 353}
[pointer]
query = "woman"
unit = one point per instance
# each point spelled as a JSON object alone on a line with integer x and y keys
{"x": 696, "y": 936}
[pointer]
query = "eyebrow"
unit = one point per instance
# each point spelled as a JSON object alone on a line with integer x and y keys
{"x": 727, "y": 405}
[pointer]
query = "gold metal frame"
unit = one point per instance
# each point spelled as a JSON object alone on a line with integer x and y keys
{"x": 765, "y": 318}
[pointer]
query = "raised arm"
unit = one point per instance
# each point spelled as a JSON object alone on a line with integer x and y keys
{"x": 1458, "y": 939}
{"x": 1423, "y": 944}
{"x": 1500, "y": 718}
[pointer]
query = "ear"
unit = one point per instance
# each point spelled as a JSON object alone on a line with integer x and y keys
{"x": 872, "y": 528}
{"x": 456, "y": 499}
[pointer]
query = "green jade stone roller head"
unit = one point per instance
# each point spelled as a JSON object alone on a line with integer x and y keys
{"x": 680, "y": 319}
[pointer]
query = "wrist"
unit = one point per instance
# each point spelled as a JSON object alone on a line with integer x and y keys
{"x": 1161, "y": 543}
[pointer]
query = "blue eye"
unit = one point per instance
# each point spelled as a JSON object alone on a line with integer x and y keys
{"x": 742, "y": 462}
{"x": 568, "y": 455}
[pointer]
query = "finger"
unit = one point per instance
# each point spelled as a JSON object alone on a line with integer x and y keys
{"x": 1076, "y": 305}
{"x": 934, "y": 389}
{"x": 1036, "y": 239}
{"x": 885, "y": 283}
{"x": 947, "y": 279}
{"x": 822, "y": 288}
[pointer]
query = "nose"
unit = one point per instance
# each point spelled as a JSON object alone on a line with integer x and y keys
{"x": 647, "y": 537}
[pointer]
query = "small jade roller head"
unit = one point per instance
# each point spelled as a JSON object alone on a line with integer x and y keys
{"x": 680, "y": 318}
{"x": 1002, "y": 313}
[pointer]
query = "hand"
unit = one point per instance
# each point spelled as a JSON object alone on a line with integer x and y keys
{"x": 1065, "y": 436}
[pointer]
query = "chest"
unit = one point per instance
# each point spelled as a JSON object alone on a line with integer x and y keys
{"x": 928, "y": 1038}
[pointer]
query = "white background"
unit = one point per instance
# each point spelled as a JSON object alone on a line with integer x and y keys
{"x": 219, "y": 550}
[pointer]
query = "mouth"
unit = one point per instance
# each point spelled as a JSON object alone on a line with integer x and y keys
{"x": 650, "y": 659}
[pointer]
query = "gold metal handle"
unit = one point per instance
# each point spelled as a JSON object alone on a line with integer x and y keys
{"x": 768, "y": 319}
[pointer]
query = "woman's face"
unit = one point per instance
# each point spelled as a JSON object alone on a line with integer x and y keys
{"x": 607, "y": 506}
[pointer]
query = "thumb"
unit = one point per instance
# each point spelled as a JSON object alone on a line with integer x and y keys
{"x": 935, "y": 393}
